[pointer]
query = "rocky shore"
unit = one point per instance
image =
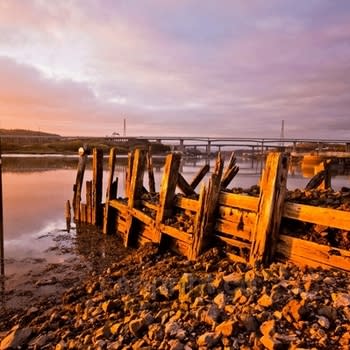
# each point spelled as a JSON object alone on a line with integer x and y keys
{"x": 153, "y": 300}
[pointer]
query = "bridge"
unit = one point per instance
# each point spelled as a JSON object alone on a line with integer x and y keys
{"x": 256, "y": 145}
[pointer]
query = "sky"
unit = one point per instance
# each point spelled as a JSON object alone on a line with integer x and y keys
{"x": 232, "y": 68}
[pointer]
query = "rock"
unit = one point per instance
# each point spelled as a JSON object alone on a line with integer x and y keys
{"x": 327, "y": 311}
{"x": 212, "y": 315}
{"x": 172, "y": 328}
{"x": 265, "y": 300}
{"x": 323, "y": 322}
{"x": 220, "y": 300}
{"x": 268, "y": 327}
{"x": 175, "y": 344}
{"x": 17, "y": 338}
{"x": 110, "y": 306}
{"x": 226, "y": 328}
{"x": 341, "y": 299}
{"x": 208, "y": 339}
{"x": 294, "y": 311}
{"x": 137, "y": 326}
{"x": 249, "y": 322}
{"x": 269, "y": 342}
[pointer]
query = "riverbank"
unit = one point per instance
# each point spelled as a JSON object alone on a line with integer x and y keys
{"x": 148, "y": 299}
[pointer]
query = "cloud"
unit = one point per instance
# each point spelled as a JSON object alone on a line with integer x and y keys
{"x": 177, "y": 67}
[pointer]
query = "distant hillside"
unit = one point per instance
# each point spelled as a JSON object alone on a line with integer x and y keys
{"x": 23, "y": 132}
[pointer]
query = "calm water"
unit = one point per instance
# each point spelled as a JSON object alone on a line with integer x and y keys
{"x": 35, "y": 190}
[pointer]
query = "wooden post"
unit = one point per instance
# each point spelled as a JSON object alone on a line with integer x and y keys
{"x": 78, "y": 186}
{"x": 97, "y": 179}
{"x": 184, "y": 186}
{"x": 230, "y": 172}
{"x": 167, "y": 191}
{"x": 128, "y": 173}
{"x": 88, "y": 202}
{"x": 270, "y": 208}
{"x": 68, "y": 215}
{"x": 135, "y": 190}
{"x": 197, "y": 237}
{"x": 152, "y": 186}
{"x": 211, "y": 203}
{"x": 111, "y": 166}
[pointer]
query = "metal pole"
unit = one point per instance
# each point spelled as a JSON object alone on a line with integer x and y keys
{"x": 2, "y": 257}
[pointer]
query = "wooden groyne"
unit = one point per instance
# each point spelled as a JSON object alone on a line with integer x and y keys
{"x": 202, "y": 214}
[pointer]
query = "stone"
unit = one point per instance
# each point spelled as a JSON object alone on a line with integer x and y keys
{"x": 208, "y": 339}
{"x": 327, "y": 311}
{"x": 341, "y": 299}
{"x": 226, "y": 328}
{"x": 323, "y": 322}
{"x": 265, "y": 300}
{"x": 249, "y": 322}
{"x": 268, "y": 327}
{"x": 294, "y": 311}
{"x": 110, "y": 306}
{"x": 155, "y": 332}
{"x": 136, "y": 326}
{"x": 269, "y": 342}
{"x": 17, "y": 338}
{"x": 211, "y": 316}
{"x": 171, "y": 328}
{"x": 175, "y": 344}
{"x": 220, "y": 300}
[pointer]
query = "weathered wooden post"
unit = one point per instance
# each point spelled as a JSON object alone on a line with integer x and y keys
{"x": 135, "y": 190}
{"x": 79, "y": 183}
{"x": 68, "y": 215}
{"x": 128, "y": 173}
{"x": 270, "y": 208}
{"x": 109, "y": 194}
{"x": 88, "y": 207}
{"x": 167, "y": 191}
{"x": 151, "y": 182}
{"x": 97, "y": 178}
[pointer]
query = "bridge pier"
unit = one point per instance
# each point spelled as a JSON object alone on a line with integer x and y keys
{"x": 208, "y": 149}
{"x": 182, "y": 146}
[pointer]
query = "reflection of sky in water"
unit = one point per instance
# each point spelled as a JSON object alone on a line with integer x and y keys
{"x": 34, "y": 201}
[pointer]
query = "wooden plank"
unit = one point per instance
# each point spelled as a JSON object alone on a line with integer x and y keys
{"x": 140, "y": 215}
{"x": 184, "y": 186}
{"x": 269, "y": 214}
{"x": 321, "y": 255}
{"x": 97, "y": 179}
{"x": 177, "y": 246}
{"x": 108, "y": 212}
{"x": 88, "y": 202}
{"x": 245, "y": 219}
{"x": 229, "y": 175}
{"x": 149, "y": 205}
{"x": 234, "y": 242}
{"x": 167, "y": 190}
{"x": 186, "y": 203}
{"x": 176, "y": 233}
{"x": 122, "y": 207}
{"x": 239, "y": 201}
{"x": 199, "y": 176}
{"x": 231, "y": 229}
{"x": 198, "y": 221}
{"x": 151, "y": 181}
{"x": 78, "y": 186}
{"x": 316, "y": 215}
{"x": 236, "y": 258}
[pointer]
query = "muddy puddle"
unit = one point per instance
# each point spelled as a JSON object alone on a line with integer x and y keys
{"x": 66, "y": 259}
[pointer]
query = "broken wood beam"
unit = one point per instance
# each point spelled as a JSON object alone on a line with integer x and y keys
{"x": 109, "y": 195}
{"x": 270, "y": 209}
{"x": 78, "y": 186}
{"x": 151, "y": 181}
{"x": 97, "y": 179}
{"x": 184, "y": 186}
{"x": 199, "y": 176}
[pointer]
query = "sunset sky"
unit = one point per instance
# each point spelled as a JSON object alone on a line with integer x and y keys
{"x": 211, "y": 68}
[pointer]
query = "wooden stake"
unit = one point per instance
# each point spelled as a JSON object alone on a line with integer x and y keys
{"x": 68, "y": 215}
{"x": 78, "y": 186}
{"x": 270, "y": 208}
{"x": 167, "y": 191}
{"x": 197, "y": 237}
{"x": 2, "y": 250}
{"x": 97, "y": 179}
{"x": 211, "y": 205}
{"x": 135, "y": 191}
{"x": 128, "y": 173}
{"x": 88, "y": 202}
{"x": 111, "y": 166}
{"x": 152, "y": 186}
